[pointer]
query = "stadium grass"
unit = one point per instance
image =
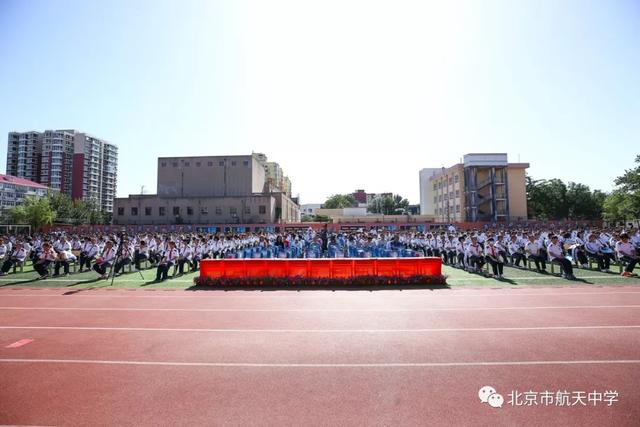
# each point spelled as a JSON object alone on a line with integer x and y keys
{"x": 456, "y": 278}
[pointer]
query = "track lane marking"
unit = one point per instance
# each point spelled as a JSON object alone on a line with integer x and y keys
{"x": 409, "y": 294}
{"x": 322, "y": 310}
{"x": 421, "y": 330}
{"x": 325, "y": 365}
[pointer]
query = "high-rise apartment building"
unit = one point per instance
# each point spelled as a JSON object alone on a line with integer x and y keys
{"x": 485, "y": 187}
{"x": 274, "y": 175}
{"x": 24, "y": 154}
{"x": 72, "y": 162}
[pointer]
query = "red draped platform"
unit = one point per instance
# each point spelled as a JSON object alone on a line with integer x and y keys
{"x": 322, "y": 268}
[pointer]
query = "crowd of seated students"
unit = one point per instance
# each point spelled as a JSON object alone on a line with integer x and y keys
{"x": 469, "y": 249}
{"x": 569, "y": 249}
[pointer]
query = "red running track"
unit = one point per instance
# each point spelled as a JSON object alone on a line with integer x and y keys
{"x": 388, "y": 357}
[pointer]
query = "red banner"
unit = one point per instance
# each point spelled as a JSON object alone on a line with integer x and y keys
{"x": 321, "y": 268}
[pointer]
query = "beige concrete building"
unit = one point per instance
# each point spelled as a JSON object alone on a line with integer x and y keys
{"x": 209, "y": 190}
{"x": 485, "y": 187}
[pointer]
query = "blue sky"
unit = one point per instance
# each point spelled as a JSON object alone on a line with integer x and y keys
{"x": 343, "y": 94}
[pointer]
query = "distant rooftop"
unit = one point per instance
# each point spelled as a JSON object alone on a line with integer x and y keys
{"x": 20, "y": 181}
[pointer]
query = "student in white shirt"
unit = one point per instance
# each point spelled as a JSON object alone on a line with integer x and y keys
{"x": 105, "y": 259}
{"x": 65, "y": 256}
{"x": 125, "y": 258}
{"x": 141, "y": 253}
{"x": 594, "y": 249}
{"x": 168, "y": 260}
{"x": 516, "y": 250}
{"x": 460, "y": 251}
{"x": 533, "y": 251}
{"x": 474, "y": 255}
{"x": 449, "y": 250}
{"x": 46, "y": 257}
{"x": 184, "y": 257}
{"x": 18, "y": 255}
{"x": 554, "y": 250}
{"x": 627, "y": 253}
{"x": 88, "y": 252}
{"x": 493, "y": 257}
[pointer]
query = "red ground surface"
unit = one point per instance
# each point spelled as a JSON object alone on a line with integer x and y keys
{"x": 412, "y": 357}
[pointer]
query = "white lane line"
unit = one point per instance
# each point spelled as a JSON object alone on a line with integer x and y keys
{"x": 321, "y": 331}
{"x": 409, "y": 294}
{"x": 322, "y": 310}
{"x": 325, "y": 365}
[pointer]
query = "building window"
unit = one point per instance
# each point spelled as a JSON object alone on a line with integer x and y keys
{"x": 233, "y": 210}
{"x": 221, "y": 163}
{"x": 162, "y": 211}
{"x": 263, "y": 209}
{"x": 163, "y": 164}
{"x": 457, "y": 208}
{"x": 120, "y": 211}
{"x": 456, "y": 179}
{"x": 246, "y": 162}
{"x": 198, "y": 164}
{"x": 451, "y": 181}
{"x": 435, "y": 186}
{"x": 247, "y": 210}
{"x": 147, "y": 211}
{"x": 233, "y": 163}
{"x": 435, "y": 199}
{"x": 175, "y": 164}
{"x": 176, "y": 210}
{"x": 204, "y": 210}
{"x": 134, "y": 211}
{"x": 189, "y": 210}
{"x": 218, "y": 210}
{"x": 457, "y": 193}
{"x": 187, "y": 164}
{"x": 209, "y": 163}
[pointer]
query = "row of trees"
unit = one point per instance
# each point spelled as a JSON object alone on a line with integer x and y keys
{"x": 624, "y": 202}
{"x": 553, "y": 199}
{"x": 56, "y": 207}
{"x": 386, "y": 205}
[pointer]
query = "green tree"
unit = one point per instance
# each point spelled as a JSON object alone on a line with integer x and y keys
{"x": 62, "y": 205}
{"x": 389, "y": 205}
{"x": 339, "y": 201}
{"x": 547, "y": 199}
{"x": 624, "y": 202}
{"x": 35, "y": 211}
{"x": 552, "y": 199}
{"x": 583, "y": 203}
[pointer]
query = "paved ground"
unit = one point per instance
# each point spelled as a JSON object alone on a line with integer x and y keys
{"x": 387, "y": 357}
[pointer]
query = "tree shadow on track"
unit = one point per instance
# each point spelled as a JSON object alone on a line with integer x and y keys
{"x": 21, "y": 282}
{"x": 86, "y": 282}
